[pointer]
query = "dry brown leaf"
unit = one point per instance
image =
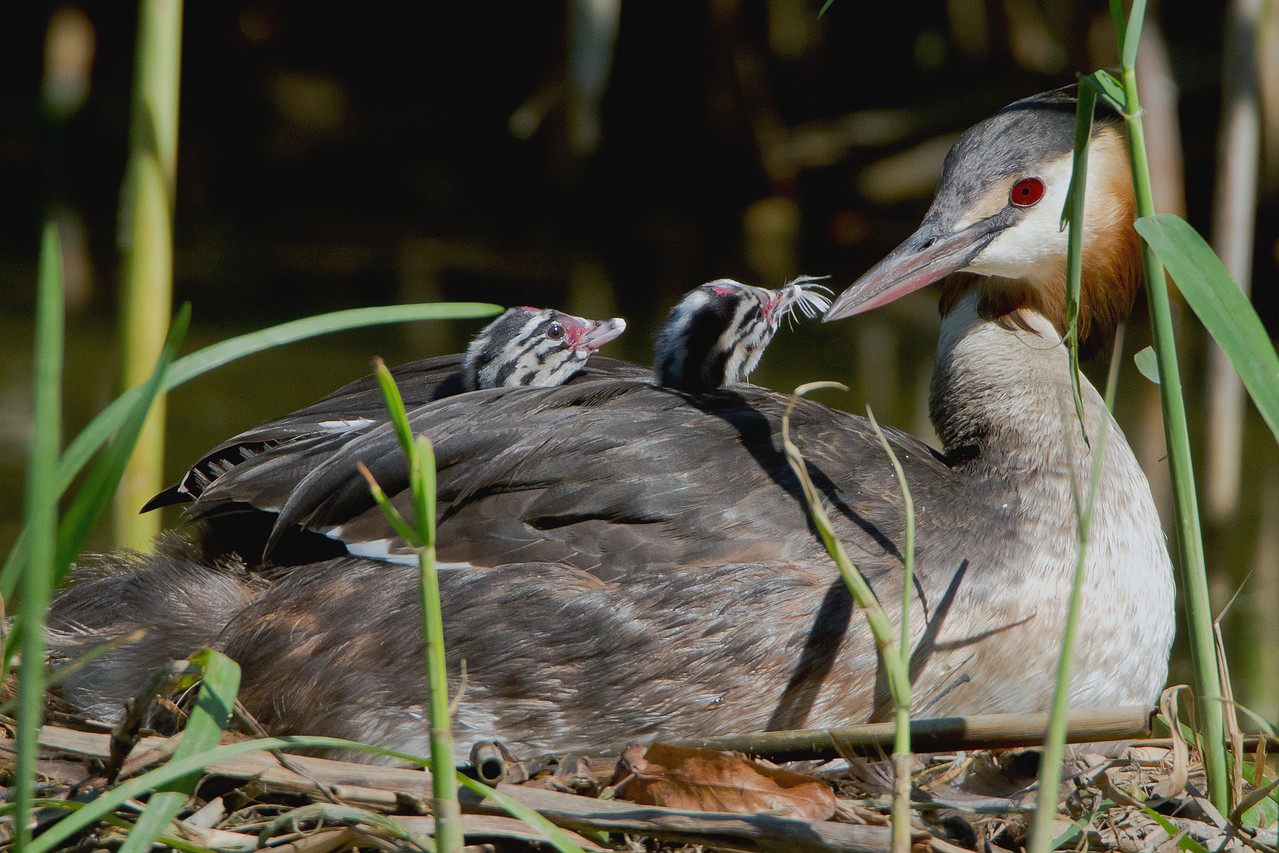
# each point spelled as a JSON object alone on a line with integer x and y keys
{"x": 704, "y": 780}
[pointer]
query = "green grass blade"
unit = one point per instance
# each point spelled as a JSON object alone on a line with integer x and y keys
{"x": 1132, "y": 34}
{"x": 1181, "y": 470}
{"x": 1117, "y": 21}
{"x": 424, "y": 498}
{"x": 1220, "y": 305}
{"x": 179, "y": 844}
{"x": 87, "y": 443}
{"x": 95, "y": 495}
{"x": 898, "y": 676}
{"x": 1106, "y": 87}
{"x": 42, "y": 519}
{"x": 203, "y": 730}
{"x": 901, "y": 740}
{"x": 349, "y": 816}
{"x": 1055, "y": 740}
{"x": 1072, "y": 214}
{"x": 448, "y": 815}
{"x": 394, "y": 405}
{"x": 402, "y": 527}
{"x": 554, "y": 835}
{"x": 176, "y": 769}
{"x": 421, "y": 464}
{"x": 1147, "y": 364}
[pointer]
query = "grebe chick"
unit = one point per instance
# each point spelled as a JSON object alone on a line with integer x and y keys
{"x": 534, "y": 347}
{"x": 522, "y": 347}
{"x": 715, "y": 335}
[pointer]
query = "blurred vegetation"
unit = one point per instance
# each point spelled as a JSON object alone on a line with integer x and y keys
{"x": 594, "y": 158}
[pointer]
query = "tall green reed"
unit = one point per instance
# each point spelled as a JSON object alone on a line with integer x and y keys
{"x": 421, "y": 535}
{"x": 42, "y": 517}
{"x": 1122, "y": 94}
{"x": 421, "y": 464}
{"x": 111, "y": 423}
{"x": 894, "y": 647}
{"x": 146, "y": 230}
{"x": 1229, "y": 318}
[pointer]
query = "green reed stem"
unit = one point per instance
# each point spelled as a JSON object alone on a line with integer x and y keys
{"x": 421, "y": 460}
{"x": 896, "y": 674}
{"x": 901, "y": 703}
{"x": 1041, "y": 834}
{"x": 146, "y": 214}
{"x": 895, "y": 657}
{"x": 42, "y": 520}
{"x": 1181, "y": 470}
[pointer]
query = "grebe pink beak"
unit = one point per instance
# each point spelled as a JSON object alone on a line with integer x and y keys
{"x": 926, "y": 256}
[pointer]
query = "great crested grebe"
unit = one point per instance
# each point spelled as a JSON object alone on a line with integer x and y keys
{"x": 524, "y": 346}
{"x": 624, "y": 561}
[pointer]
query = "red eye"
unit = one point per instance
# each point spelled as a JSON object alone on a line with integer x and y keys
{"x": 1026, "y": 192}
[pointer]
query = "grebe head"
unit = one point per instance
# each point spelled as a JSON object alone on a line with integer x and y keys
{"x": 715, "y": 335}
{"x": 997, "y": 217}
{"x": 534, "y": 347}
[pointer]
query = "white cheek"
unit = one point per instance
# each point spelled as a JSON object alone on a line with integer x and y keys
{"x": 1023, "y": 247}
{"x": 1039, "y": 236}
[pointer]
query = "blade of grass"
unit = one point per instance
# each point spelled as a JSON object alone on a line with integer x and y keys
{"x": 42, "y": 517}
{"x": 896, "y": 661}
{"x": 554, "y": 835}
{"x": 176, "y": 769}
{"x": 881, "y": 628}
{"x": 1055, "y": 742}
{"x": 87, "y": 443}
{"x": 1072, "y": 215}
{"x": 95, "y": 495}
{"x": 402, "y": 527}
{"x": 1132, "y": 34}
{"x": 901, "y": 741}
{"x": 421, "y": 461}
{"x": 1220, "y": 305}
{"x": 348, "y": 816}
{"x": 1117, "y": 21}
{"x": 209, "y": 717}
{"x": 448, "y": 813}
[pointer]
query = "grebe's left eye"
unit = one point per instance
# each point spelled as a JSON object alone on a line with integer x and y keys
{"x": 1026, "y": 192}
{"x": 555, "y": 331}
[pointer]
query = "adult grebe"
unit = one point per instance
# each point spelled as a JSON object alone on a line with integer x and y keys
{"x": 625, "y": 561}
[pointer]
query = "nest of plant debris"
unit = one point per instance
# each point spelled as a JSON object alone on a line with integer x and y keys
{"x": 1147, "y": 796}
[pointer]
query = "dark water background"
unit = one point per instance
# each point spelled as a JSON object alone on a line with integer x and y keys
{"x": 334, "y": 157}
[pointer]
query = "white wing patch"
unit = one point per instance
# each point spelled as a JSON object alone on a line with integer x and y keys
{"x": 345, "y": 424}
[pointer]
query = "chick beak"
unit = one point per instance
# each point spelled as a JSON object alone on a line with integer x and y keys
{"x": 924, "y": 257}
{"x": 600, "y": 332}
